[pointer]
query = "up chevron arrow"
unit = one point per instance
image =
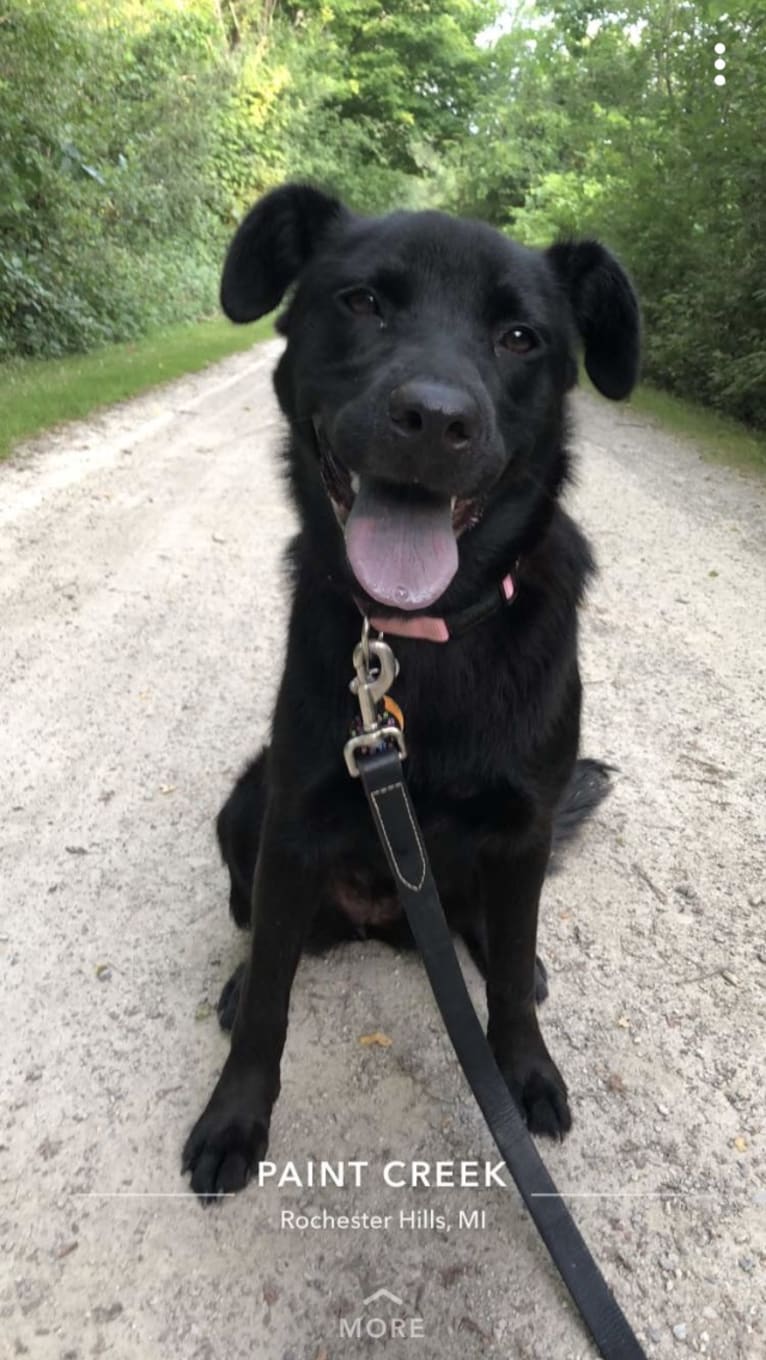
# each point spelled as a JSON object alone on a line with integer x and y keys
{"x": 383, "y": 1294}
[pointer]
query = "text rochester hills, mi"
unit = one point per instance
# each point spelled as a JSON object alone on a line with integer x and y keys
{"x": 430, "y": 1220}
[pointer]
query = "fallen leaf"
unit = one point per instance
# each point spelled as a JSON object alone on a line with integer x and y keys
{"x": 167, "y": 788}
{"x": 615, "y": 1082}
{"x": 740, "y": 1143}
{"x": 203, "y": 1011}
{"x": 379, "y": 1039}
{"x": 624, "y": 1022}
{"x": 103, "y": 971}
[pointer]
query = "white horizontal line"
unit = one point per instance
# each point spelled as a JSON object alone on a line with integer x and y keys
{"x": 536, "y": 1194}
{"x": 623, "y": 1194}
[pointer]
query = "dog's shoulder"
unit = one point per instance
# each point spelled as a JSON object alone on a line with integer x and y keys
{"x": 561, "y": 563}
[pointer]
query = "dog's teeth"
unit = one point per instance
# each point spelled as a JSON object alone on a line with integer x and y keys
{"x": 453, "y": 502}
{"x": 354, "y": 482}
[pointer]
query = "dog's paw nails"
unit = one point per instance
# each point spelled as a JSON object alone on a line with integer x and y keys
{"x": 541, "y": 1094}
{"x": 545, "y": 1105}
{"x": 221, "y": 1154}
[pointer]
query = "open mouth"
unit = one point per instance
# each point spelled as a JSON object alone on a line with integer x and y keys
{"x": 401, "y": 541}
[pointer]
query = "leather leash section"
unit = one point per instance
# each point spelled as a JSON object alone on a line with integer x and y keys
{"x": 400, "y": 835}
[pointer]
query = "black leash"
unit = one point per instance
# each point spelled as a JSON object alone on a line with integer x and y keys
{"x": 375, "y": 753}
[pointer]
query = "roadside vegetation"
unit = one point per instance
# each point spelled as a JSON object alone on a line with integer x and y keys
{"x": 38, "y": 393}
{"x": 718, "y": 438}
{"x": 133, "y": 134}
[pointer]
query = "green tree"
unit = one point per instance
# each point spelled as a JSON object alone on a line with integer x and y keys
{"x": 133, "y": 134}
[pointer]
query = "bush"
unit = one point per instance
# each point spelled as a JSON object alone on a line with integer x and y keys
{"x": 108, "y": 224}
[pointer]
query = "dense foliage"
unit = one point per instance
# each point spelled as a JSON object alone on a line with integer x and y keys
{"x": 134, "y": 132}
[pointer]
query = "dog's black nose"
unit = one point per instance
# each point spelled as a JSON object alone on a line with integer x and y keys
{"x": 435, "y": 413}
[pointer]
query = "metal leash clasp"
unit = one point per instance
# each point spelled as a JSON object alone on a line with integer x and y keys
{"x": 376, "y": 669}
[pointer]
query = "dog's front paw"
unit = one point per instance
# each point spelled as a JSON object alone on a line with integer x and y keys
{"x": 540, "y": 1092}
{"x": 224, "y": 1147}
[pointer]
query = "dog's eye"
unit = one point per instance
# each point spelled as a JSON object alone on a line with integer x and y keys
{"x": 361, "y": 302}
{"x": 519, "y": 340}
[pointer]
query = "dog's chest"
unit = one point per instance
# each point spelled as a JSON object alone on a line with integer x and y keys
{"x": 458, "y": 816}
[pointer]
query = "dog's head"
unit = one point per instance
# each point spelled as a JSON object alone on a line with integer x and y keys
{"x": 424, "y": 376}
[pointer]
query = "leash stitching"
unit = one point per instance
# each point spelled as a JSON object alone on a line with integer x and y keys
{"x": 392, "y": 788}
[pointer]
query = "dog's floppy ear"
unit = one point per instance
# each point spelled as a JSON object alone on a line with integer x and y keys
{"x": 271, "y": 247}
{"x": 605, "y": 308}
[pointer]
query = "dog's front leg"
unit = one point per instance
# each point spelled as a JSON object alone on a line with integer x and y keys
{"x": 231, "y": 1135}
{"x": 511, "y": 886}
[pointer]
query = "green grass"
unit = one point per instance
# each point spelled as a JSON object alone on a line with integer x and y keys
{"x": 38, "y": 393}
{"x": 718, "y": 438}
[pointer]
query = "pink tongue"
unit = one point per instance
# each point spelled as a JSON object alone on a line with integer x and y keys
{"x": 401, "y": 545}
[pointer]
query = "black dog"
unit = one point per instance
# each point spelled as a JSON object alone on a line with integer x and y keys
{"x": 424, "y": 381}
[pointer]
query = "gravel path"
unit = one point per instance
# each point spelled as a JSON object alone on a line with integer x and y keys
{"x": 142, "y": 627}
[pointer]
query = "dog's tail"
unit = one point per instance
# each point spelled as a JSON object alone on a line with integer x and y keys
{"x": 588, "y": 786}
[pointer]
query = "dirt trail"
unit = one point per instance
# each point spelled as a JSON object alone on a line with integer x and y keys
{"x": 142, "y": 626}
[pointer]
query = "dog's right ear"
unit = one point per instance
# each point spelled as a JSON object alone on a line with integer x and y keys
{"x": 271, "y": 247}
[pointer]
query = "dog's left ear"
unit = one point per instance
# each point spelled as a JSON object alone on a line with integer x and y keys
{"x": 271, "y": 246}
{"x": 606, "y": 311}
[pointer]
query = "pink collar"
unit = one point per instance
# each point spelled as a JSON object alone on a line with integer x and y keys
{"x": 428, "y": 628}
